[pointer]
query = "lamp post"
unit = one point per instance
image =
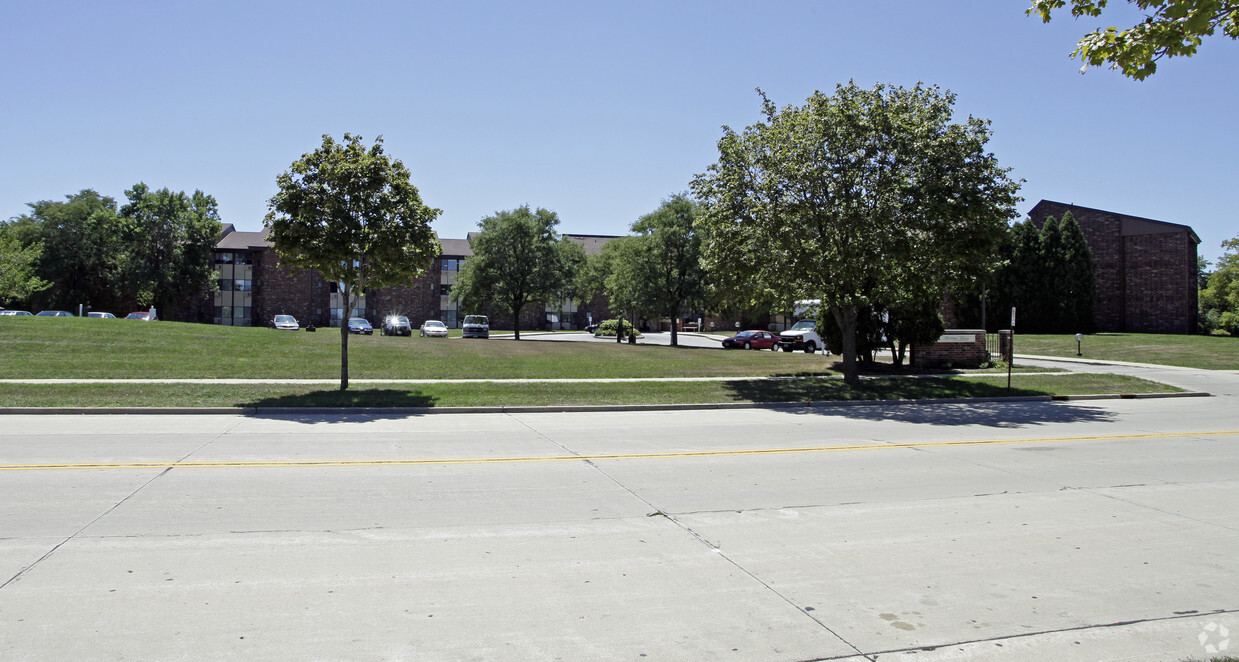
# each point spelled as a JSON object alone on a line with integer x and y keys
{"x": 1079, "y": 339}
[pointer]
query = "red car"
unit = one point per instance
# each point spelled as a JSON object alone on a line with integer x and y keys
{"x": 143, "y": 315}
{"x": 752, "y": 340}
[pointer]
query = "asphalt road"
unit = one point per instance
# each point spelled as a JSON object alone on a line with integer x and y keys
{"x": 648, "y": 338}
{"x": 1095, "y": 530}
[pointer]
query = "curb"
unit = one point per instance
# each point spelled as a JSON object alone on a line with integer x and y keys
{"x": 550, "y": 409}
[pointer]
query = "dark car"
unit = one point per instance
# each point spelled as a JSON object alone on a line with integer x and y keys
{"x": 360, "y": 325}
{"x": 397, "y": 325}
{"x": 752, "y": 340}
{"x": 55, "y": 313}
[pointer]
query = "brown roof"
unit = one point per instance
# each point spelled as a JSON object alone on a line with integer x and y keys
{"x": 455, "y": 247}
{"x": 243, "y": 241}
{"x": 1132, "y": 225}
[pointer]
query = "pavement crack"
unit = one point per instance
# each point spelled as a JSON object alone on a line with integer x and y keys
{"x": 1023, "y": 635}
{"x": 715, "y": 548}
{"x": 111, "y": 509}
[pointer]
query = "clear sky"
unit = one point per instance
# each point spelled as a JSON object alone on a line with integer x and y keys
{"x": 594, "y": 110}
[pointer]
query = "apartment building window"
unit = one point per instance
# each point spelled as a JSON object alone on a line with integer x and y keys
{"x": 236, "y": 285}
{"x": 233, "y": 315}
{"x": 233, "y": 257}
{"x": 452, "y": 264}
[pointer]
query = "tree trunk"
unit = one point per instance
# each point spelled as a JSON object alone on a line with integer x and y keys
{"x": 516, "y": 320}
{"x": 348, "y": 306}
{"x": 674, "y": 341}
{"x": 846, "y": 319}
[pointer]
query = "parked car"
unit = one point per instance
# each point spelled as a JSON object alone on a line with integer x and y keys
{"x": 360, "y": 325}
{"x": 102, "y": 316}
{"x": 55, "y": 313}
{"x": 142, "y": 315}
{"x": 285, "y": 323}
{"x": 752, "y": 340}
{"x": 433, "y": 329}
{"x": 397, "y": 325}
{"x": 15, "y": 313}
{"x": 475, "y": 326}
{"x": 802, "y": 335}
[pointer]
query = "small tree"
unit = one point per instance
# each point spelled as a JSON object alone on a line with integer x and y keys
{"x": 353, "y": 214}
{"x": 517, "y": 260}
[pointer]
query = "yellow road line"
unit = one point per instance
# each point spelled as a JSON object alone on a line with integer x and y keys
{"x": 599, "y": 457}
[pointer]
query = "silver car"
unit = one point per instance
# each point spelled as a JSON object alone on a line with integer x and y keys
{"x": 433, "y": 329}
{"x": 285, "y": 323}
{"x": 475, "y": 326}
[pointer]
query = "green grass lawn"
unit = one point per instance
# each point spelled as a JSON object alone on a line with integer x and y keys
{"x": 85, "y": 348}
{"x": 1207, "y": 352}
{"x": 545, "y": 394}
{"x": 109, "y": 349}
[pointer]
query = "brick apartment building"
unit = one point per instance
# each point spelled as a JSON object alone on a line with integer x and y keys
{"x": 1145, "y": 269}
{"x": 254, "y": 288}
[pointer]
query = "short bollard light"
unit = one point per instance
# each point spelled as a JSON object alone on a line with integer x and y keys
{"x": 1079, "y": 339}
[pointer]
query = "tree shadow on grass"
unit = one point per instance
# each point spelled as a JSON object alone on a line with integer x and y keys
{"x": 367, "y": 404}
{"x": 971, "y": 408}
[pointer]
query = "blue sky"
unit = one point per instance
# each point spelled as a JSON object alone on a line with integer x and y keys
{"x": 595, "y": 110}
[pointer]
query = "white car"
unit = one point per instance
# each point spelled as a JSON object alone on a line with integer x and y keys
{"x": 285, "y": 323}
{"x": 433, "y": 329}
{"x": 105, "y": 316}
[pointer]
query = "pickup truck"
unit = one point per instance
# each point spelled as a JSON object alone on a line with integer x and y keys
{"x": 802, "y": 335}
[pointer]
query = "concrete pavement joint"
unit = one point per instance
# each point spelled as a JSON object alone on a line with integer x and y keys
{"x": 118, "y": 504}
{"x": 1023, "y": 635}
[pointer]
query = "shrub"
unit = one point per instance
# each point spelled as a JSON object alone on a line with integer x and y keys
{"x": 609, "y": 328}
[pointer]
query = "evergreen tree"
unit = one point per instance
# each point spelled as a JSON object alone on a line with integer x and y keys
{"x": 1053, "y": 294}
{"x": 1079, "y": 311}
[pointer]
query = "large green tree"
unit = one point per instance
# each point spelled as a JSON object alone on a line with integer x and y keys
{"x": 659, "y": 267}
{"x": 83, "y": 247}
{"x": 17, "y": 268}
{"x": 860, "y": 197}
{"x": 1171, "y": 28}
{"x": 171, "y": 237}
{"x": 1219, "y": 300}
{"x": 518, "y": 259}
{"x": 352, "y": 213}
